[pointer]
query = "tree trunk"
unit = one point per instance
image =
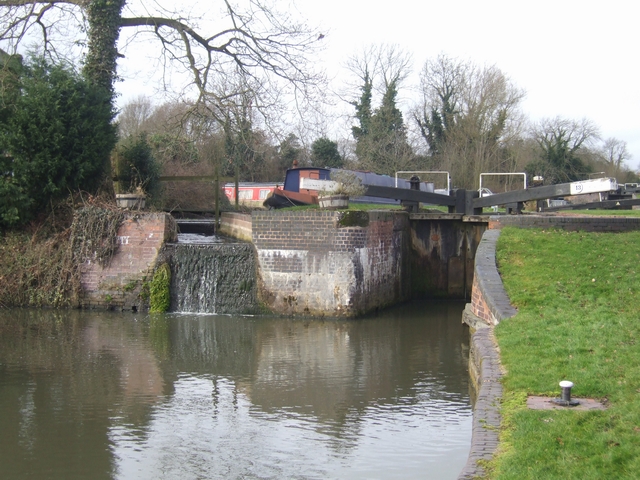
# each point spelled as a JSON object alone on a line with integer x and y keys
{"x": 105, "y": 18}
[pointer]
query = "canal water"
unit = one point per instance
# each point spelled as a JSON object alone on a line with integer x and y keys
{"x": 133, "y": 396}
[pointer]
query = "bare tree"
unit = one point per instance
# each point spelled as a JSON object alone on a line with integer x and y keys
{"x": 133, "y": 116}
{"x": 257, "y": 42}
{"x": 468, "y": 115}
{"x": 614, "y": 153}
{"x": 561, "y": 146}
{"x": 383, "y": 64}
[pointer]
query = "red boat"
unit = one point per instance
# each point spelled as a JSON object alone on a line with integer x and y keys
{"x": 251, "y": 194}
{"x": 301, "y": 187}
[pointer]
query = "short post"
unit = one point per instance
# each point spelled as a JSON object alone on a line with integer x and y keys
{"x": 411, "y": 206}
{"x": 565, "y": 399}
{"x": 566, "y": 386}
{"x": 461, "y": 199}
{"x": 464, "y": 202}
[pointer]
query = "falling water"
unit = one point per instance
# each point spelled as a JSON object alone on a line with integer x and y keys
{"x": 212, "y": 277}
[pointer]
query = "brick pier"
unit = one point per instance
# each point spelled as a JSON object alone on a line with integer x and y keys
{"x": 118, "y": 285}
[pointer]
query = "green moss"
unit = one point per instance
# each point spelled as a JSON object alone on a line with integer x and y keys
{"x": 354, "y": 219}
{"x": 144, "y": 290}
{"x": 245, "y": 285}
{"x": 159, "y": 289}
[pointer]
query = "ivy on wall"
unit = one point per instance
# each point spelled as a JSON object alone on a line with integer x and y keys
{"x": 159, "y": 290}
{"x": 105, "y": 18}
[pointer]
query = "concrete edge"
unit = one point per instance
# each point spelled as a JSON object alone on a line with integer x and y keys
{"x": 484, "y": 365}
{"x": 484, "y": 359}
{"x": 488, "y": 277}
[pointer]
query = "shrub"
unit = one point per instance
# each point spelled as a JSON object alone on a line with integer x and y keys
{"x": 159, "y": 290}
{"x": 56, "y": 133}
{"x": 135, "y": 167}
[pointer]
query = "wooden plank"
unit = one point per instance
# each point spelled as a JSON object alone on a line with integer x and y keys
{"x": 409, "y": 195}
{"x": 604, "y": 205}
{"x": 534, "y": 193}
{"x": 548, "y": 191}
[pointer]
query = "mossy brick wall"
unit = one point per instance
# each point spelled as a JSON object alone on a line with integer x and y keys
{"x": 140, "y": 239}
{"x": 213, "y": 278}
{"x": 331, "y": 263}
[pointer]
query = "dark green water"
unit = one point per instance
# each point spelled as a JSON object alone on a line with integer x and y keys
{"x": 90, "y": 395}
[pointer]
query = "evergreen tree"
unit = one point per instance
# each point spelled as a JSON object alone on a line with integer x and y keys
{"x": 14, "y": 203}
{"x": 135, "y": 165}
{"x": 363, "y": 110}
{"x": 382, "y": 146}
{"x": 288, "y": 151}
{"x": 324, "y": 153}
{"x": 52, "y": 133}
{"x": 387, "y": 120}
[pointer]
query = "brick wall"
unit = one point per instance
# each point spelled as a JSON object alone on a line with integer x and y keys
{"x": 237, "y": 225}
{"x": 479, "y": 306}
{"x": 331, "y": 263}
{"x": 489, "y": 302}
{"x": 311, "y": 230}
{"x": 140, "y": 239}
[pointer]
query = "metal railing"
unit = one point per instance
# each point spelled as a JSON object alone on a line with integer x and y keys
{"x": 412, "y": 172}
{"x": 503, "y": 174}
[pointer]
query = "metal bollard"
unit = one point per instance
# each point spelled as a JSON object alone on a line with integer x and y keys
{"x": 566, "y": 386}
{"x": 565, "y": 400}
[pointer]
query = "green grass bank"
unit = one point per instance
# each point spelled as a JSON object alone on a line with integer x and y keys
{"x": 578, "y": 319}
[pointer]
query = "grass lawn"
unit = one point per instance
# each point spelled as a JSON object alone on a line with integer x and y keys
{"x": 578, "y": 319}
{"x": 618, "y": 213}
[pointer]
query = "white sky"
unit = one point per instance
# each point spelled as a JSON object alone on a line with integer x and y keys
{"x": 575, "y": 59}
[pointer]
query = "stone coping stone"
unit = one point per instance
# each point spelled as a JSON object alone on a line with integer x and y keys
{"x": 547, "y": 403}
{"x": 488, "y": 278}
{"x": 486, "y": 410}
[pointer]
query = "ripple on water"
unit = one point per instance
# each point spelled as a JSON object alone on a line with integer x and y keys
{"x": 215, "y": 432}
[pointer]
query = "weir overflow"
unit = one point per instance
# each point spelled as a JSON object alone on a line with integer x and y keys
{"x": 210, "y": 274}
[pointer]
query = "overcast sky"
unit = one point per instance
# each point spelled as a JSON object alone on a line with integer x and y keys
{"x": 574, "y": 59}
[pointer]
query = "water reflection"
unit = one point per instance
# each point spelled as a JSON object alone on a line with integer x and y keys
{"x": 118, "y": 396}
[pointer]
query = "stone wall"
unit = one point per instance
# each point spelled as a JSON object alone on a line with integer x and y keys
{"x": 443, "y": 252}
{"x": 331, "y": 263}
{"x": 489, "y": 302}
{"x": 140, "y": 239}
{"x": 489, "y": 305}
{"x": 485, "y": 373}
{"x": 237, "y": 225}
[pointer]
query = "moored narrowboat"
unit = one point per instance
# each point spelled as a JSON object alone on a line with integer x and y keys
{"x": 303, "y": 184}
